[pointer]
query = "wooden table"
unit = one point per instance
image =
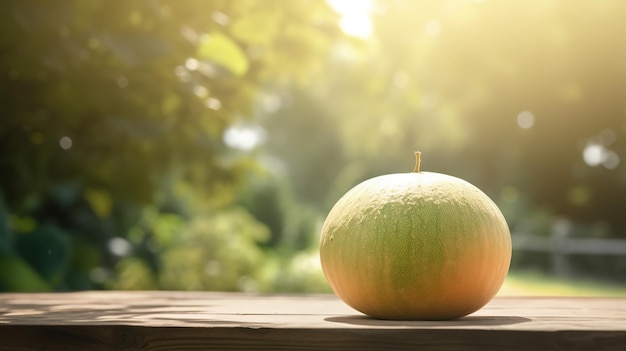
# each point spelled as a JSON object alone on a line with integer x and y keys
{"x": 235, "y": 321}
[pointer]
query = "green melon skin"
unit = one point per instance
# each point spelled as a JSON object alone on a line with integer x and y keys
{"x": 419, "y": 246}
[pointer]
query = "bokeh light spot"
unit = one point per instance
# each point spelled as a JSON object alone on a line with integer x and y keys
{"x": 607, "y": 136}
{"x": 122, "y": 82}
{"x": 401, "y": 79}
{"x": 611, "y": 160}
{"x": 64, "y": 32}
{"x": 433, "y": 27}
{"x": 213, "y": 103}
{"x": 192, "y": 64}
{"x": 99, "y": 275}
{"x": 135, "y": 18}
{"x": 525, "y": 119}
{"x": 65, "y": 143}
{"x": 244, "y": 137}
{"x": 593, "y": 154}
{"x": 120, "y": 246}
{"x": 93, "y": 43}
{"x": 220, "y": 18}
{"x": 182, "y": 73}
{"x": 200, "y": 91}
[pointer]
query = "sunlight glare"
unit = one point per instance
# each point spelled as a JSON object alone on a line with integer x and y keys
{"x": 355, "y": 16}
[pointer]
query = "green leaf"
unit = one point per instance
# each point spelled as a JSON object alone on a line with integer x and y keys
{"x": 17, "y": 275}
{"x": 5, "y": 230}
{"x": 222, "y": 50}
{"x": 100, "y": 201}
{"x": 47, "y": 250}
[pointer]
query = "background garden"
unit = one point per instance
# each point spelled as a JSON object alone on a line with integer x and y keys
{"x": 198, "y": 145}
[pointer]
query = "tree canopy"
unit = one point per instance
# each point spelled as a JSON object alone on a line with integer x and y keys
{"x": 112, "y": 107}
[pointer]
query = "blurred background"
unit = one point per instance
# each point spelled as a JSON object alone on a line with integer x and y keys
{"x": 199, "y": 145}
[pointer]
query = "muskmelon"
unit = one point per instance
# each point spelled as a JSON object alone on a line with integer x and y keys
{"x": 416, "y": 246}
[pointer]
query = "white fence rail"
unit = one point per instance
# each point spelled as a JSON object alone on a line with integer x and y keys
{"x": 565, "y": 245}
{"x": 559, "y": 247}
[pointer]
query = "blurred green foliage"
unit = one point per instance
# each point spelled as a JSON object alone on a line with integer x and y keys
{"x": 114, "y": 169}
{"x": 156, "y": 144}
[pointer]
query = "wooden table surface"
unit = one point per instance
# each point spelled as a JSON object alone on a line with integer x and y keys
{"x": 236, "y": 321}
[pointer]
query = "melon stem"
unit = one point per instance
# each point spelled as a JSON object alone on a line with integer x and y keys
{"x": 417, "y": 161}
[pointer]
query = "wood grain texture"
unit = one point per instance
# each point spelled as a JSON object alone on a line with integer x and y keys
{"x": 235, "y": 321}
